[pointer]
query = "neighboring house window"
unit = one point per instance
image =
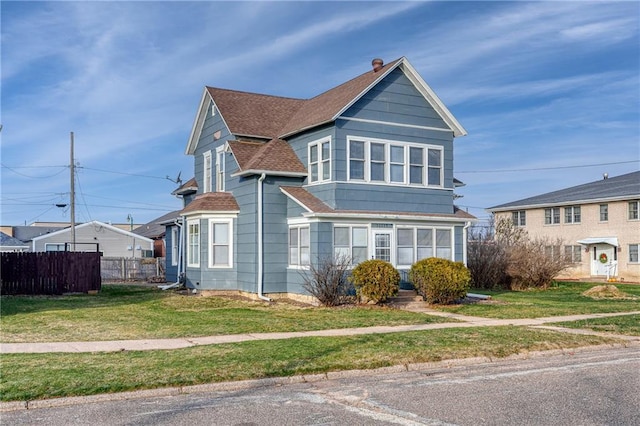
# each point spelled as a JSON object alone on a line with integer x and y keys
{"x": 320, "y": 160}
{"x": 220, "y": 169}
{"x": 572, "y": 214}
{"x": 395, "y": 163}
{"x": 299, "y": 246}
{"x": 552, "y": 216}
{"x": 54, "y": 247}
{"x": 573, "y": 254}
{"x": 351, "y": 242}
{"x": 206, "y": 175}
{"x": 633, "y": 253}
{"x": 221, "y": 243}
{"x": 519, "y": 218}
{"x": 604, "y": 212}
{"x": 175, "y": 247}
{"x": 193, "y": 251}
{"x": 633, "y": 210}
{"x": 552, "y": 251}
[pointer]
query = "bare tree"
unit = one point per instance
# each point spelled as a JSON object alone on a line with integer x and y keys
{"x": 327, "y": 280}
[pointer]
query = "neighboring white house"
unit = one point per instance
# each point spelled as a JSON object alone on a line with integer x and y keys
{"x": 96, "y": 236}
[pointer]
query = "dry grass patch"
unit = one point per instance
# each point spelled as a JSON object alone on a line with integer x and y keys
{"x": 607, "y": 291}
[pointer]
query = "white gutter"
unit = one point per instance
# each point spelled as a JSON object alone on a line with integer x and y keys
{"x": 464, "y": 242}
{"x": 180, "y": 260}
{"x": 260, "y": 242}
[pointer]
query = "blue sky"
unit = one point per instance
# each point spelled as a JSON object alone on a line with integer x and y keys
{"x": 543, "y": 88}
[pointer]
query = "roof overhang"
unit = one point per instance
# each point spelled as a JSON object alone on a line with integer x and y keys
{"x": 250, "y": 172}
{"x": 612, "y": 241}
{"x": 389, "y": 216}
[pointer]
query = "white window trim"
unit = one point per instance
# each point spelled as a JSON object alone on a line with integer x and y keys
{"x": 190, "y": 262}
{"x": 206, "y": 172}
{"x": 572, "y": 220}
{"x": 520, "y": 215}
{"x": 434, "y": 246}
{"x": 220, "y": 169}
{"x": 321, "y": 161}
{"x": 407, "y": 169}
{"x": 46, "y": 245}
{"x": 629, "y": 255}
{"x": 175, "y": 245}
{"x": 299, "y": 264}
{"x": 606, "y": 208}
{"x": 229, "y": 222}
{"x": 552, "y": 223}
{"x": 637, "y": 203}
{"x": 350, "y": 226}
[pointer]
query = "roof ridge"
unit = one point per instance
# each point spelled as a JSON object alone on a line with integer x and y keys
{"x": 255, "y": 93}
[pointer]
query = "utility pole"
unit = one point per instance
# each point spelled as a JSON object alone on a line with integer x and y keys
{"x": 73, "y": 198}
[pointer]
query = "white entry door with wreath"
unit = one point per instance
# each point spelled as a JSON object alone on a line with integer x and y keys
{"x": 603, "y": 260}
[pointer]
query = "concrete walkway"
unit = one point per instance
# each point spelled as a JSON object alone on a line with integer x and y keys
{"x": 156, "y": 344}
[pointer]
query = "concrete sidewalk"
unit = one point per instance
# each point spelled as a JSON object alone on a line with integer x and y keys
{"x": 158, "y": 344}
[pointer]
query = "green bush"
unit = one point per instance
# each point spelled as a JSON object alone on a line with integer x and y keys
{"x": 375, "y": 280}
{"x": 440, "y": 281}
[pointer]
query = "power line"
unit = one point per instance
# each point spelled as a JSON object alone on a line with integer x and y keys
{"x": 534, "y": 169}
{"x": 33, "y": 177}
{"x": 123, "y": 173}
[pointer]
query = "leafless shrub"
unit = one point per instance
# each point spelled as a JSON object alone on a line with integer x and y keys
{"x": 534, "y": 263}
{"x": 487, "y": 260}
{"x": 327, "y": 280}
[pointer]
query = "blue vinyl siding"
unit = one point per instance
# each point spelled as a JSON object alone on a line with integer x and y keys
{"x": 206, "y": 142}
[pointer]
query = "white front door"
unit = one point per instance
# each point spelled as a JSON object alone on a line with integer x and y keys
{"x": 383, "y": 245}
{"x": 602, "y": 266}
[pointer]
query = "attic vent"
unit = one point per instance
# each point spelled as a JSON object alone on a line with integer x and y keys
{"x": 381, "y": 225}
{"x": 377, "y": 64}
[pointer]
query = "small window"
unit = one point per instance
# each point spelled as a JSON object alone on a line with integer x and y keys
{"x": 572, "y": 214}
{"x": 220, "y": 243}
{"x": 633, "y": 210}
{"x": 356, "y": 160}
{"x": 519, "y": 218}
{"x": 175, "y": 247}
{"x": 552, "y": 216}
{"x": 396, "y": 164}
{"x": 55, "y": 247}
{"x": 220, "y": 166}
{"x": 573, "y": 254}
{"x": 206, "y": 173}
{"x": 604, "y": 212}
{"x": 633, "y": 253}
{"x": 320, "y": 161}
{"x": 378, "y": 160}
{"x": 435, "y": 167}
{"x": 193, "y": 252}
{"x": 416, "y": 165}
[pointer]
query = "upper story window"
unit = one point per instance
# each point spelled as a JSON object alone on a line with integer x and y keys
{"x": 552, "y": 216}
{"x": 206, "y": 172}
{"x": 604, "y": 212}
{"x": 394, "y": 162}
{"x": 572, "y": 214}
{"x": 220, "y": 169}
{"x": 519, "y": 218}
{"x": 320, "y": 160}
{"x": 633, "y": 210}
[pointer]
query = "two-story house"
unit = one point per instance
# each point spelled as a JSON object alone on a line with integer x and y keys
{"x": 597, "y": 221}
{"x": 363, "y": 170}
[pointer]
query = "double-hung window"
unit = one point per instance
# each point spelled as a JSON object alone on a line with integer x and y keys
{"x": 299, "y": 247}
{"x": 443, "y": 243}
{"x": 175, "y": 245}
{"x": 221, "y": 243}
{"x": 604, "y": 212}
{"x": 633, "y": 210}
{"x": 351, "y": 242}
{"x": 414, "y": 244}
{"x": 320, "y": 160}
{"x": 572, "y": 214}
{"x": 519, "y": 218}
{"x": 552, "y": 216}
{"x": 396, "y": 163}
{"x": 633, "y": 253}
{"x": 193, "y": 249}
{"x": 220, "y": 157}
{"x": 573, "y": 254}
{"x": 206, "y": 172}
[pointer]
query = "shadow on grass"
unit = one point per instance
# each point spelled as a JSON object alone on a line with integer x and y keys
{"x": 109, "y": 295}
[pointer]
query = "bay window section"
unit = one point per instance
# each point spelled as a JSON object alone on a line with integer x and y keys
{"x": 425, "y": 243}
{"x": 443, "y": 243}
{"x": 193, "y": 249}
{"x": 220, "y": 240}
{"x": 299, "y": 246}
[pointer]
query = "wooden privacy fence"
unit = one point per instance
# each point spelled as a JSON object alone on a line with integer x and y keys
{"x": 128, "y": 269}
{"x": 49, "y": 272}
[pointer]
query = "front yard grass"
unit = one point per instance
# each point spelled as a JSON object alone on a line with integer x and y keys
{"x": 627, "y": 324}
{"x": 564, "y": 298}
{"x": 38, "y": 376}
{"x": 121, "y": 312}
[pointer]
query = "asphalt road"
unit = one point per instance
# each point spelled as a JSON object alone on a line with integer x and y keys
{"x": 586, "y": 388}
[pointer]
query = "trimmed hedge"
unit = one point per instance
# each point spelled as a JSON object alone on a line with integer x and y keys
{"x": 440, "y": 281}
{"x": 375, "y": 280}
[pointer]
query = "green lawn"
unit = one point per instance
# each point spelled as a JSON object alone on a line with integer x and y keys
{"x": 563, "y": 299}
{"x": 38, "y": 376}
{"x": 134, "y": 312}
{"x": 627, "y": 324}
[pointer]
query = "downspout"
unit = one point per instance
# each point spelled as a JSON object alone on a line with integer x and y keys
{"x": 464, "y": 242}
{"x": 260, "y": 242}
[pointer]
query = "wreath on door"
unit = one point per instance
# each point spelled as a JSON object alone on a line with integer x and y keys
{"x": 603, "y": 258}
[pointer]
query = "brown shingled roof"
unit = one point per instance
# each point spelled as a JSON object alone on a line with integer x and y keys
{"x": 308, "y": 201}
{"x": 273, "y": 156}
{"x": 189, "y": 186}
{"x": 212, "y": 202}
{"x": 253, "y": 114}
